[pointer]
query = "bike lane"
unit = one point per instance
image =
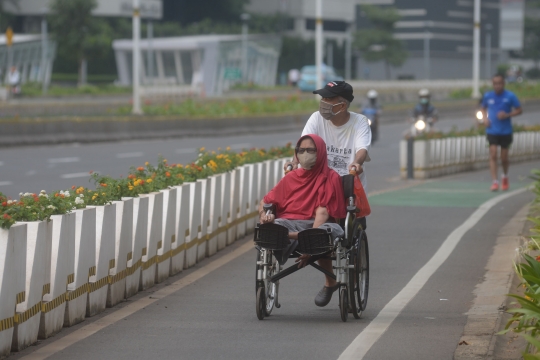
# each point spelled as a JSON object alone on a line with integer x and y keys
{"x": 215, "y": 316}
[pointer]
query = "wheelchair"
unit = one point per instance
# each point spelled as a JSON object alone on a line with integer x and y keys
{"x": 349, "y": 253}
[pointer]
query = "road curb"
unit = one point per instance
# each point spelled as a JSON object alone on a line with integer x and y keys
{"x": 486, "y": 313}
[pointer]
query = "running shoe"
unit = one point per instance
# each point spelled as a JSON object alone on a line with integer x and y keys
{"x": 494, "y": 186}
{"x": 505, "y": 185}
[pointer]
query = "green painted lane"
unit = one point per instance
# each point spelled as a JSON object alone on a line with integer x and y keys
{"x": 443, "y": 194}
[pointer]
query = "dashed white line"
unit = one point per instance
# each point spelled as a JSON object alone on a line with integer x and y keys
{"x": 75, "y": 175}
{"x": 130, "y": 155}
{"x": 63, "y": 160}
{"x": 5, "y": 183}
{"x": 186, "y": 151}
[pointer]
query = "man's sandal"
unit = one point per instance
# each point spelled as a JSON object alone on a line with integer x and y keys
{"x": 325, "y": 295}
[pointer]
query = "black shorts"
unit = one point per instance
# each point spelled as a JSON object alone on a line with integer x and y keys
{"x": 503, "y": 141}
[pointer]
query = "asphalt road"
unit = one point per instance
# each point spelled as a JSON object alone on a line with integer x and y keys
{"x": 214, "y": 317}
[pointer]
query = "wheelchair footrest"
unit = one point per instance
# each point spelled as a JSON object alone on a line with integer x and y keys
{"x": 314, "y": 241}
{"x": 272, "y": 236}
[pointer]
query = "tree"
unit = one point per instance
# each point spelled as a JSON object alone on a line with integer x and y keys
{"x": 378, "y": 43}
{"x": 78, "y": 33}
{"x": 189, "y": 11}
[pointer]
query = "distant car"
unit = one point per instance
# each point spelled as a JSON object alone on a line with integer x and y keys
{"x": 307, "y": 77}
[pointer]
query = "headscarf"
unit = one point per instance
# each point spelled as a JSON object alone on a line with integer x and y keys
{"x": 301, "y": 191}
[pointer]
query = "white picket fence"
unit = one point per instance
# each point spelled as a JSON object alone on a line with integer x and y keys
{"x": 439, "y": 157}
{"x": 55, "y": 274}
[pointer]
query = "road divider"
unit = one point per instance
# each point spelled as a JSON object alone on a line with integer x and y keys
{"x": 439, "y": 157}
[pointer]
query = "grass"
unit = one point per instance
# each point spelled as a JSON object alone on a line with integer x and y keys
{"x": 35, "y": 90}
{"x": 230, "y": 108}
{"x": 525, "y": 90}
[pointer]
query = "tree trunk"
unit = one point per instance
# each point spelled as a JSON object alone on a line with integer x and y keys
{"x": 83, "y": 69}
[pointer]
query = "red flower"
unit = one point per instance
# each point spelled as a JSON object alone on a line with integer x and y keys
{"x": 73, "y": 187}
{"x": 4, "y": 203}
{"x": 167, "y": 174}
{"x": 7, "y": 217}
{"x": 131, "y": 176}
{"x": 538, "y": 258}
{"x": 140, "y": 168}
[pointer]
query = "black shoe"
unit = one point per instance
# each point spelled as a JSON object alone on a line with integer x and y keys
{"x": 325, "y": 295}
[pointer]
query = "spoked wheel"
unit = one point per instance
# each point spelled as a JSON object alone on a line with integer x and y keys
{"x": 344, "y": 304}
{"x": 260, "y": 303}
{"x": 359, "y": 275}
{"x": 269, "y": 290}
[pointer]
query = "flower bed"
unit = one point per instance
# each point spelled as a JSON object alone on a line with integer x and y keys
{"x": 526, "y": 316}
{"x": 141, "y": 180}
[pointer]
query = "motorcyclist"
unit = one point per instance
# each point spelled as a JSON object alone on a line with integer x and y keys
{"x": 372, "y": 110}
{"x": 424, "y": 107}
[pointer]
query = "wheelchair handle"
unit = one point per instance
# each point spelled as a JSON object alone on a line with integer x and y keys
{"x": 289, "y": 169}
{"x": 268, "y": 208}
{"x": 353, "y": 170}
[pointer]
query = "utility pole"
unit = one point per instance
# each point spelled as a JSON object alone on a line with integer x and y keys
{"x": 488, "y": 51}
{"x": 476, "y": 51}
{"x": 137, "y": 110}
{"x": 245, "y": 18}
{"x": 348, "y": 52}
{"x": 318, "y": 43}
{"x": 44, "y": 52}
{"x": 150, "y": 51}
{"x": 427, "y": 55}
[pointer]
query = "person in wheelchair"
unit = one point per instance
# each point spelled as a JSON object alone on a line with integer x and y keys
{"x": 310, "y": 196}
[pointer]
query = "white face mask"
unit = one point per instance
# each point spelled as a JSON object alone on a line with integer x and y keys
{"x": 327, "y": 109}
{"x": 307, "y": 161}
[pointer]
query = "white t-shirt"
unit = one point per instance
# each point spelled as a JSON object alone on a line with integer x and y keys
{"x": 342, "y": 142}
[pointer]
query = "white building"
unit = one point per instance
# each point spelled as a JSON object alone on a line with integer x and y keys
{"x": 206, "y": 64}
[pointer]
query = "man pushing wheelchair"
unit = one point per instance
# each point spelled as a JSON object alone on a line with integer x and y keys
{"x": 307, "y": 213}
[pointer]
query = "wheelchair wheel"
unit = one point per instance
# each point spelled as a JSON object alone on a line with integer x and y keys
{"x": 359, "y": 274}
{"x": 270, "y": 289}
{"x": 260, "y": 303}
{"x": 343, "y": 304}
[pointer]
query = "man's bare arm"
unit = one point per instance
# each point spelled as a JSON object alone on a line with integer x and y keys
{"x": 359, "y": 159}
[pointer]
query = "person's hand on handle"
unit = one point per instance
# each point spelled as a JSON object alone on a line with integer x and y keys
{"x": 266, "y": 218}
{"x": 290, "y": 166}
{"x": 355, "y": 169}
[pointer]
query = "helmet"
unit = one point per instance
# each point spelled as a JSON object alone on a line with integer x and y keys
{"x": 372, "y": 94}
{"x": 424, "y": 93}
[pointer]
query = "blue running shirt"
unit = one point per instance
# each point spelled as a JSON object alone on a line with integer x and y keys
{"x": 494, "y": 103}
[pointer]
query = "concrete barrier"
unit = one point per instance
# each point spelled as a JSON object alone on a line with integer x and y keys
{"x": 12, "y": 280}
{"x": 178, "y": 247}
{"x": 153, "y": 240}
{"x": 138, "y": 243}
{"x": 202, "y": 247}
{"x": 252, "y": 201}
{"x": 243, "y": 200}
{"x": 215, "y": 212}
{"x": 85, "y": 260}
{"x": 123, "y": 239}
{"x": 439, "y": 157}
{"x": 98, "y": 284}
{"x": 195, "y": 206}
{"x": 62, "y": 234}
{"x": 225, "y": 210}
{"x": 28, "y": 313}
{"x": 168, "y": 232}
{"x": 234, "y": 208}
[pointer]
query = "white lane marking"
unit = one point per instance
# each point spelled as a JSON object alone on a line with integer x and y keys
{"x": 135, "y": 306}
{"x": 447, "y": 191}
{"x": 130, "y": 155}
{"x": 75, "y": 175}
{"x": 376, "y": 328}
{"x": 63, "y": 160}
{"x": 241, "y": 146}
{"x": 186, "y": 151}
{"x": 5, "y": 183}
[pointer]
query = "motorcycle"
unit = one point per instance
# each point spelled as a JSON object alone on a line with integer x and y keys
{"x": 373, "y": 121}
{"x": 421, "y": 125}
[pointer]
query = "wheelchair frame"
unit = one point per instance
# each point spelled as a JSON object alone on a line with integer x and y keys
{"x": 350, "y": 253}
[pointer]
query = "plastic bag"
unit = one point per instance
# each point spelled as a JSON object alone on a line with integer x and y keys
{"x": 361, "y": 200}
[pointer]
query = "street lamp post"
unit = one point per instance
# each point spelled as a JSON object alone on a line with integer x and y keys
{"x": 427, "y": 57}
{"x": 137, "y": 110}
{"x": 488, "y": 50}
{"x": 150, "y": 51}
{"x": 44, "y": 51}
{"x": 348, "y": 52}
{"x": 244, "y": 67}
{"x": 476, "y": 51}
{"x": 318, "y": 43}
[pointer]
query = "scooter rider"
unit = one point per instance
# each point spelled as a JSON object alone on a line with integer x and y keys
{"x": 372, "y": 111}
{"x": 424, "y": 107}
